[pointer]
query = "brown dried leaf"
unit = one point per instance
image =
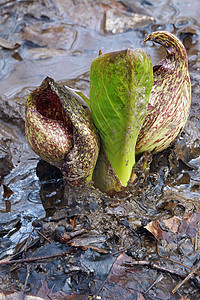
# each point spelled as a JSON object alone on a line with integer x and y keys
{"x": 8, "y": 44}
{"x": 172, "y": 224}
{"x": 97, "y": 249}
{"x": 129, "y": 280}
{"x": 154, "y": 228}
{"x": 175, "y": 227}
{"x": 59, "y": 37}
{"x": 87, "y": 240}
{"x": 7, "y": 192}
{"x": 44, "y": 291}
{"x": 42, "y": 52}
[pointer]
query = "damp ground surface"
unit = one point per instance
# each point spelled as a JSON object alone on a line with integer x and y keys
{"x": 57, "y": 242}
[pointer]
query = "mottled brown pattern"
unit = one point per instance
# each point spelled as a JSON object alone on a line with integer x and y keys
{"x": 49, "y": 138}
{"x": 170, "y": 99}
{"x": 61, "y": 131}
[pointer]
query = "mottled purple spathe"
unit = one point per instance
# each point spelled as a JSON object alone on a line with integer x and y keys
{"x": 61, "y": 131}
{"x": 170, "y": 99}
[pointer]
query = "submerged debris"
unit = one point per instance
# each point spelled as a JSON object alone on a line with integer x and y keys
{"x": 118, "y": 22}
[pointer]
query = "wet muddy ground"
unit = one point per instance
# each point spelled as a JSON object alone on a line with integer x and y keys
{"x": 64, "y": 243}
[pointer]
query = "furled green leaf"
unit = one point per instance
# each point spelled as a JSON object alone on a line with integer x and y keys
{"x": 120, "y": 87}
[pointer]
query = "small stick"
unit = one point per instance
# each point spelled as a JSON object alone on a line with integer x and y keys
{"x": 27, "y": 276}
{"x": 164, "y": 269}
{"x": 174, "y": 261}
{"x": 32, "y": 259}
{"x": 43, "y": 235}
{"x": 77, "y": 233}
{"x": 197, "y": 232}
{"x": 194, "y": 269}
{"x": 121, "y": 250}
{"x": 103, "y": 284}
{"x": 26, "y": 281}
{"x": 28, "y": 238}
{"x": 196, "y": 238}
{"x": 154, "y": 283}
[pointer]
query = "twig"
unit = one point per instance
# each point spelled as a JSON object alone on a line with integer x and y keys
{"x": 196, "y": 238}
{"x": 166, "y": 270}
{"x": 194, "y": 270}
{"x": 103, "y": 284}
{"x": 43, "y": 235}
{"x": 154, "y": 283}
{"x": 27, "y": 276}
{"x": 77, "y": 233}
{"x": 28, "y": 238}
{"x": 25, "y": 284}
{"x": 197, "y": 230}
{"x": 32, "y": 259}
{"x": 174, "y": 261}
{"x": 121, "y": 250}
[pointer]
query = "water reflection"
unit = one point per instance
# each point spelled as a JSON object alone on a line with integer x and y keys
{"x": 51, "y": 187}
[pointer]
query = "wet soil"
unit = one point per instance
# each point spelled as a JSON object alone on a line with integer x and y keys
{"x": 64, "y": 243}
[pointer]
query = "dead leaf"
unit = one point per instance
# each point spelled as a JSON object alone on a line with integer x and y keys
{"x": 44, "y": 291}
{"x": 175, "y": 227}
{"x": 58, "y": 37}
{"x": 7, "y": 192}
{"x": 97, "y": 249}
{"x": 154, "y": 228}
{"x": 118, "y": 22}
{"x": 172, "y": 224}
{"x": 42, "y": 52}
{"x": 87, "y": 240}
{"x": 47, "y": 294}
{"x": 4, "y": 43}
{"x": 129, "y": 280}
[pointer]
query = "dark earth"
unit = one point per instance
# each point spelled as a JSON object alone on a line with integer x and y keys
{"x": 59, "y": 242}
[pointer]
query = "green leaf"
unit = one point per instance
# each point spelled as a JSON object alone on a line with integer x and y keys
{"x": 120, "y": 87}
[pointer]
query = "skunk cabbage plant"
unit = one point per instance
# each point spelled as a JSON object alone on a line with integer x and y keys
{"x": 61, "y": 131}
{"x": 170, "y": 99}
{"x": 133, "y": 107}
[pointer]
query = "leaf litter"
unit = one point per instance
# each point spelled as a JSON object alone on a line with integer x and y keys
{"x": 88, "y": 245}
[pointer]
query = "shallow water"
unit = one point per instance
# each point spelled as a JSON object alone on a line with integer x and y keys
{"x": 67, "y": 59}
